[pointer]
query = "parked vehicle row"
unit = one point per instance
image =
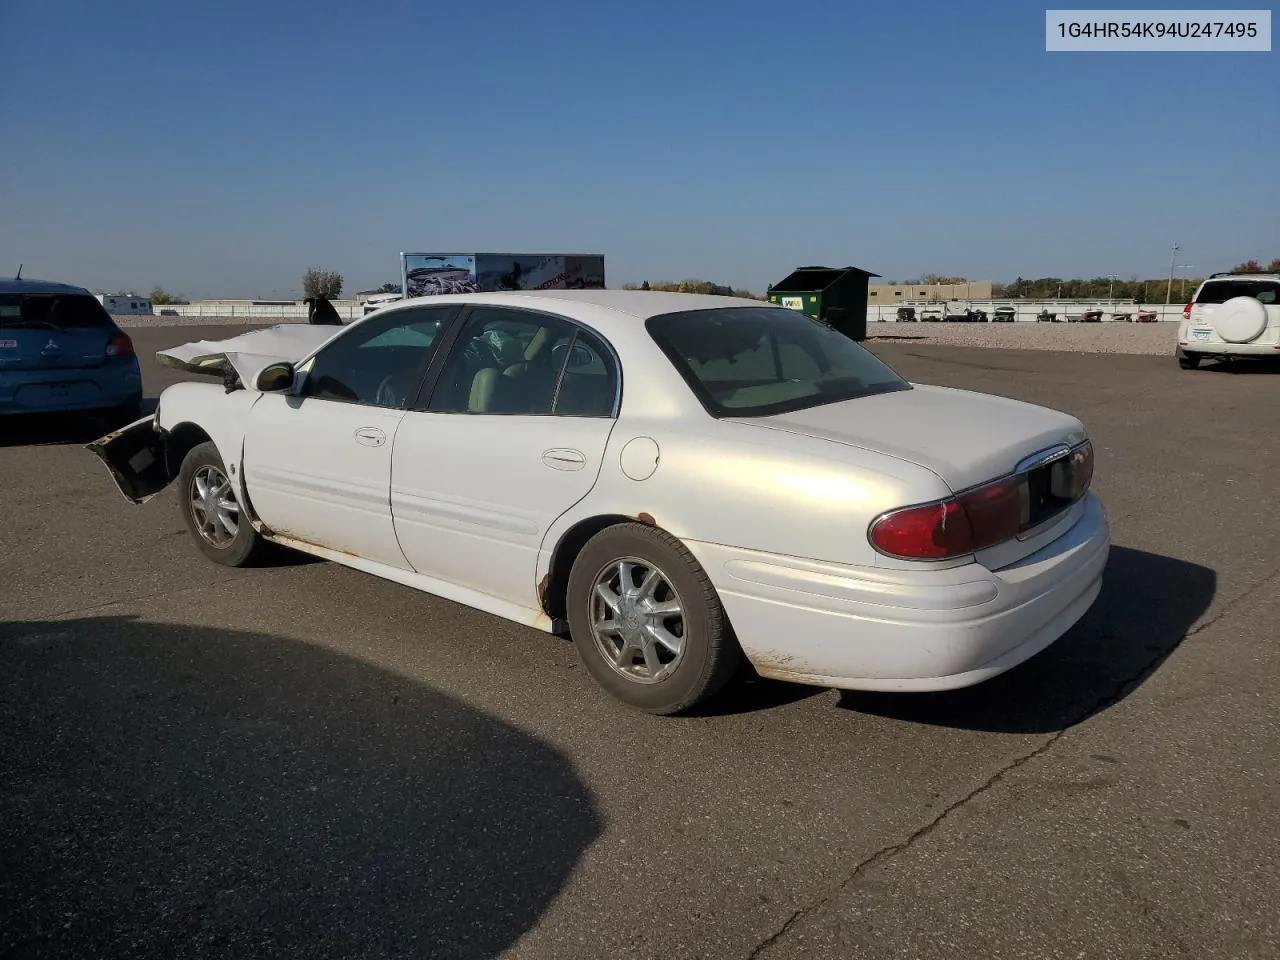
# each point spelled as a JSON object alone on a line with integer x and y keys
{"x": 1006, "y": 313}
{"x": 940, "y": 314}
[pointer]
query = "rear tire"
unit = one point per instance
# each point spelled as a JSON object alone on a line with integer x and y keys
{"x": 1188, "y": 361}
{"x": 211, "y": 509}
{"x": 666, "y": 645}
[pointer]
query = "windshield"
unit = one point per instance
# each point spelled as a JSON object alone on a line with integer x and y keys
{"x": 51, "y": 311}
{"x": 758, "y": 361}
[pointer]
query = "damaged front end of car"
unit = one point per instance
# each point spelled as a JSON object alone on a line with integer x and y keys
{"x": 137, "y": 458}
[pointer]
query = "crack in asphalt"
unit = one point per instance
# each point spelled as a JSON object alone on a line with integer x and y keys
{"x": 1122, "y": 689}
{"x": 1234, "y": 602}
{"x": 893, "y": 848}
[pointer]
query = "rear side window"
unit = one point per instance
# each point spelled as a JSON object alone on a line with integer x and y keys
{"x": 755, "y": 362}
{"x": 56, "y": 311}
{"x": 1220, "y": 291}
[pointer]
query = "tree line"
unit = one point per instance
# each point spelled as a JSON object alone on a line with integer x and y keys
{"x": 693, "y": 286}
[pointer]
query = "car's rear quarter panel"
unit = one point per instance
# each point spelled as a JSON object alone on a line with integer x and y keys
{"x": 741, "y": 486}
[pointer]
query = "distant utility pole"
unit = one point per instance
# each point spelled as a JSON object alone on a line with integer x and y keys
{"x": 1113, "y": 278}
{"x": 1173, "y": 260}
{"x": 1183, "y": 281}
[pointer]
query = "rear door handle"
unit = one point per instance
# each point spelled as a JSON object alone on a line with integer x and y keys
{"x": 371, "y": 436}
{"x": 564, "y": 459}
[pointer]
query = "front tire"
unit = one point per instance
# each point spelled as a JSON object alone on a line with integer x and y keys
{"x": 646, "y": 621}
{"x": 211, "y": 509}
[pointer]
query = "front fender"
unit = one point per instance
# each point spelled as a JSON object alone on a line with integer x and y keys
{"x": 223, "y": 417}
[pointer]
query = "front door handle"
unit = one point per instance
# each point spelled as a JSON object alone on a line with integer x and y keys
{"x": 371, "y": 436}
{"x": 563, "y": 459}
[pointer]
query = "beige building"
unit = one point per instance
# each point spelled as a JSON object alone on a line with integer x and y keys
{"x": 883, "y": 293}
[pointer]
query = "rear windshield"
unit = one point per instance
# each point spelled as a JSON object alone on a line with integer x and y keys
{"x": 1220, "y": 291}
{"x": 757, "y": 361}
{"x": 56, "y": 311}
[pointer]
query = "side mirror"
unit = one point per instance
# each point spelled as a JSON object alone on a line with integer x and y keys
{"x": 276, "y": 377}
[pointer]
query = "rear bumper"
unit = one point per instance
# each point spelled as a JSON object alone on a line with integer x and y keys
{"x": 1199, "y": 338}
{"x": 68, "y": 390}
{"x": 1218, "y": 348}
{"x": 861, "y": 629}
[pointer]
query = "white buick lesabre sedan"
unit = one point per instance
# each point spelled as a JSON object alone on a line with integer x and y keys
{"x": 679, "y": 481}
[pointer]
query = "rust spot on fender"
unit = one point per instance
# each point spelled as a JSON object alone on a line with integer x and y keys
{"x": 647, "y": 518}
{"x": 543, "y": 584}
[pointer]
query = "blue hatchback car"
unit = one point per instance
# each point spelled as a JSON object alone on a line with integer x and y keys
{"x": 60, "y": 352}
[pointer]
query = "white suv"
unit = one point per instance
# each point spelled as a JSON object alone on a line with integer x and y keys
{"x": 1231, "y": 315}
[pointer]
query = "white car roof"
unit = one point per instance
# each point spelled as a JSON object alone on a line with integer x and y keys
{"x": 625, "y": 306}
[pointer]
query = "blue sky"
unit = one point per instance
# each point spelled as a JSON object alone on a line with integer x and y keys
{"x": 220, "y": 149}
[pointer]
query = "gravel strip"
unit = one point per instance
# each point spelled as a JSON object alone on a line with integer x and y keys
{"x": 1155, "y": 339}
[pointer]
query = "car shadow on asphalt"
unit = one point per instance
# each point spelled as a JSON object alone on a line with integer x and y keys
{"x": 1245, "y": 365}
{"x": 748, "y": 692}
{"x": 51, "y": 429}
{"x": 186, "y": 791}
{"x": 1147, "y": 606}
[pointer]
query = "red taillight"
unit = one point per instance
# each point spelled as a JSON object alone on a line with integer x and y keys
{"x": 994, "y": 511}
{"x": 981, "y": 517}
{"x": 1186, "y": 312}
{"x": 119, "y": 345}
{"x": 934, "y": 531}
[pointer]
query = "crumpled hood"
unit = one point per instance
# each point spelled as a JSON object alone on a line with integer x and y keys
{"x": 248, "y": 353}
{"x": 965, "y": 438}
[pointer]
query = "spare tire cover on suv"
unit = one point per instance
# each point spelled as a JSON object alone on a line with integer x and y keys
{"x": 1240, "y": 319}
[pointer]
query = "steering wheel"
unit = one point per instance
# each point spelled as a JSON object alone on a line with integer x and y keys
{"x": 580, "y": 357}
{"x": 387, "y": 395}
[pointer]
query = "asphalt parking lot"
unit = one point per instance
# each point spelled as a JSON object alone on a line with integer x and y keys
{"x": 302, "y": 760}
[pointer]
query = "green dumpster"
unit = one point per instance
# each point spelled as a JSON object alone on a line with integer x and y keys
{"x": 837, "y": 296}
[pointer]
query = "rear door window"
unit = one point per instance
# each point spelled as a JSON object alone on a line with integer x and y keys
{"x": 526, "y": 363}
{"x": 1220, "y": 291}
{"x": 52, "y": 311}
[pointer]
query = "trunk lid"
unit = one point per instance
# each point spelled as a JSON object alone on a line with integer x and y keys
{"x": 965, "y": 438}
